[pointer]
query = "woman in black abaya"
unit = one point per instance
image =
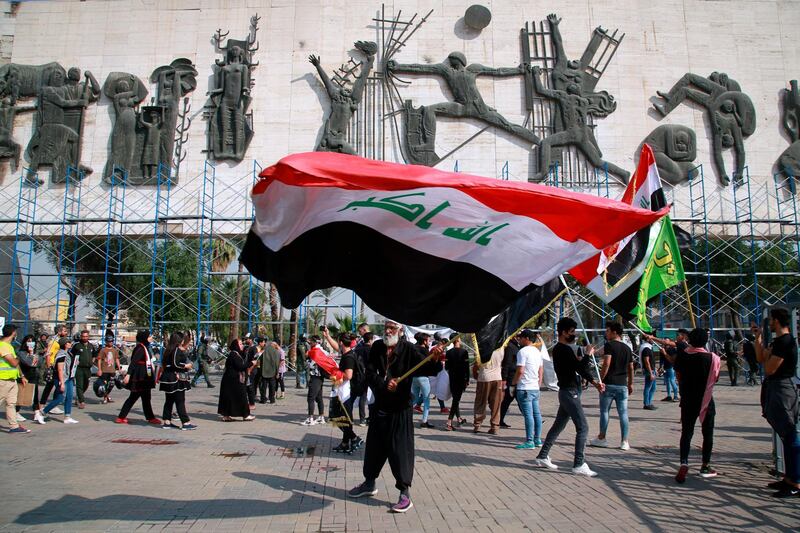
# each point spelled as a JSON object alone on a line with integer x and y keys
{"x": 233, "y": 388}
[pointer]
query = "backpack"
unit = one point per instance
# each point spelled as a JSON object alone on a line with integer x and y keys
{"x": 358, "y": 383}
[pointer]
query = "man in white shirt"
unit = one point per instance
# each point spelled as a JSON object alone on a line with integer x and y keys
{"x": 527, "y": 381}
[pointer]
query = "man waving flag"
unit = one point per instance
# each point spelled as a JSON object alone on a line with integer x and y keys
{"x": 418, "y": 244}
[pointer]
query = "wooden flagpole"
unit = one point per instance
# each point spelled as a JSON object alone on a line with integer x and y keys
{"x": 689, "y": 301}
{"x": 419, "y": 365}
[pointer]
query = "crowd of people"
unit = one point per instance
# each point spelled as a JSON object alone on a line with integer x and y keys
{"x": 389, "y": 378}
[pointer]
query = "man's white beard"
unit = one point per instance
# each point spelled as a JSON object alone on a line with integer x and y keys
{"x": 391, "y": 340}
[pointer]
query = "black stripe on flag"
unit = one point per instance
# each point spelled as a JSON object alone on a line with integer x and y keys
{"x": 393, "y": 279}
{"x": 523, "y": 310}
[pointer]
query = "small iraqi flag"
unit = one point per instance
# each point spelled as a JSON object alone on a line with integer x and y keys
{"x": 421, "y": 245}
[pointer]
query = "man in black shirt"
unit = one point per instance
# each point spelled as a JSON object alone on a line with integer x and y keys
{"x": 391, "y": 428}
{"x": 362, "y": 354}
{"x": 779, "y": 397}
{"x": 617, "y": 375}
{"x": 649, "y": 371}
{"x": 749, "y": 355}
{"x": 698, "y": 371}
{"x": 509, "y": 369}
{"x": 347, "y": 365}
{"x": 569, "y": 363}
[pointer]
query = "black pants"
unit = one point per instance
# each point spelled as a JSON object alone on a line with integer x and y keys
{"x": 279, "y": 381}
{"x": 455, "y": 410}
{"x": 569, "y": 407}
{"x": 48, "y": 388}
{"x": 269, "y": 383}
{"x": 689, "y": 417}
{"x": 146, "y": 407}
{"x": 315, "y": 395}
{"x": 251, "y": 389}
{"x": 390, "y": 436}
{"x": 507, "y": 399}
{"x": 347, "y": 431}
{"x": 178, "y": 399}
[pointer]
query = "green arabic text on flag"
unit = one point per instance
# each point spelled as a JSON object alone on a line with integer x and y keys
{"x": 664, "y": 269}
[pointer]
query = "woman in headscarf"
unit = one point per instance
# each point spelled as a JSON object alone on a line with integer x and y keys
{"x": 174, "y": 381}
{"x": 29, "y": 364}
{"x": 233, "y": 388}
{"x": 140, "y": 379}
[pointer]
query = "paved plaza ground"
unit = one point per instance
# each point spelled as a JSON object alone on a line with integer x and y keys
{"x": 274, "y": 474}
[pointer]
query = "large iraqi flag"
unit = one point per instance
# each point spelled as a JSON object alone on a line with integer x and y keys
{"x": 421, "y": 245}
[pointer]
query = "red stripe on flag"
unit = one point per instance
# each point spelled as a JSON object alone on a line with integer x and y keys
{"x": 553, "y": 207}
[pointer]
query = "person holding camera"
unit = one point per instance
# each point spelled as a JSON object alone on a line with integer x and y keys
{"x": 779, "y": 397}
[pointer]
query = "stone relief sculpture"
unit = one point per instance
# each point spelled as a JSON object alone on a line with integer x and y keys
{"x": 789, "y": 161}
{"x": 230, "y": 123}
{"x": 56, "y": 141}
{"x": 461, "y": 79}
{"x": 143, "y": 138}
{"x": 420, "y": 134}
{"x": 574, "y": 110}
{"x": 730, "y": 111}
{"x": 675, "y": 149}
{"x": 344, "y": 101}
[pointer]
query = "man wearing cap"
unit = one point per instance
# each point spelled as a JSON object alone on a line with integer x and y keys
{"x": 391, "y": 429}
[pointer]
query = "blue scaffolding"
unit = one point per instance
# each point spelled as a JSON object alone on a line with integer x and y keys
{"x": 158, "y": 278}
{"x": 69, "y": 245}
{"x": 22, "y": 254}
{"x": 113, "y": 251}
{"x": 205, "y": 248}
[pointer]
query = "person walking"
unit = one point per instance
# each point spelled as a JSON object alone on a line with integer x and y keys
{"x": 49, "y": 357}
{"x": 362, "y": 357}
{"x": 617, "y": 375}
{"x": 316, "y": 379}
{"x": 270, "y": 363}
{"x": 649, "y": 370}
{"x": 174, "y": 382}
{"x": 300, "y": 376}
{"x": 779, "y": 398}
{"x": 107, "y": 366}
{"x": 508, "y": 372}
{"x": 348, "y": 368}
{"x": 731, "y": 359}
{"x": 202, "y": 360}
{"x": 526, "y": 383}
{"x": 65, "y": 365}
{"x": 488, "y": 391}
{"x": 140, "y": 380}
{"x": 280, "y": 386}
{"x": 9, "y": 374}
{"x": 85, "y": 353}
{"x": 698, "y": 372}
{"x": 29, "y": 366}
{"x": 421, "y": 384}
{"x": 233, "y": 387}
{"x": 571, "y": 366}
{"x": 457, "y": 366}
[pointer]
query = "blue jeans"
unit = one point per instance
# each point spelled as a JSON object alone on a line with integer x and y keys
{"x": 649, "y": 390}
{"x": 62, "y": 397}
{"x": 670, "y": 383}
{"x": 619, "y": 395}
{"x": 528, "y": 401}
{"x": 791, "y": 456}
{"x": 421, "y": 393}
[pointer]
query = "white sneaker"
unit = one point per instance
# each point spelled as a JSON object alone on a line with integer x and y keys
{"x": 56, "y": 411}
{"x": 39, "y": 418}
{"x": 599, "y": 443}
{"x": 70, "y": 420}
{"x": 584, "y": 470}
{"x": 625, "y": 446}
{"x": 546, "y": 463}
{"x": 20, "y": 418}
{"x": 321, "y": 419}
{"x": 309, "y": 421}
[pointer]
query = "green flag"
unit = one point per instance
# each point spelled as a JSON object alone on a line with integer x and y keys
{"x": 664, "y": 268}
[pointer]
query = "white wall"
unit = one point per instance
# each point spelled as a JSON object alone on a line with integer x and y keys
{"x": 753, "y": 41}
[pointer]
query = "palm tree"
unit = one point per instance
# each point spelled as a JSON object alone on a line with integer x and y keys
{"x": 326, "y": 294}
{"x": 223, "y": 253}
{"x": 314, "y": 317}
{"x": 274, "y": 309}
{"x": 292, "y": 357}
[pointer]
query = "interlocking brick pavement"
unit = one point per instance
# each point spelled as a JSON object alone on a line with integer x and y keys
{"x": 274, "y": 474}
